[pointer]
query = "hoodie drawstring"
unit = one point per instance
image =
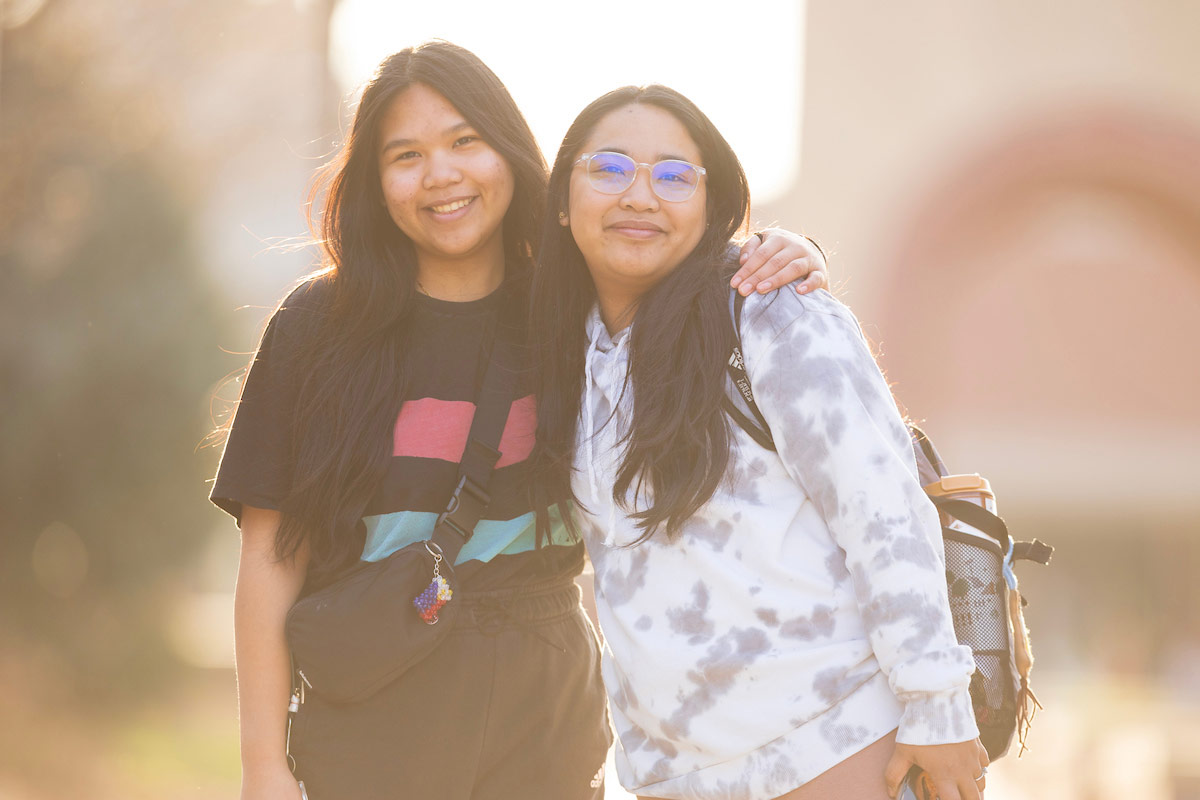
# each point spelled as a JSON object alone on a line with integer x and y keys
{"x": 589, "y": 416}
{"x": 594, "y": 392}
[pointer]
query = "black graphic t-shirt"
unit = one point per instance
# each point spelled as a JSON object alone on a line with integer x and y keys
{"x": 443, "y": 364}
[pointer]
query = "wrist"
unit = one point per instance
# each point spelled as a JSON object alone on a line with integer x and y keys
{"x": 932, "y": 718}
{"x": 259, "y": 765}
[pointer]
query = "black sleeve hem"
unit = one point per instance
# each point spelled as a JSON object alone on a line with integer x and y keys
{"x": 233, "y": 505}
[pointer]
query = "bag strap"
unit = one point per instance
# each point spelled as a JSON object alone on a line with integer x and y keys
{"x": 470, "y": 499}
{"x": 977, "y": 517}
{"x": 922, "y": 442}
{"x": 759, "y": 431}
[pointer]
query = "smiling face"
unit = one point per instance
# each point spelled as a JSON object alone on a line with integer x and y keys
{"x": 633, "y": 239}
{"x": 444, "y": 186}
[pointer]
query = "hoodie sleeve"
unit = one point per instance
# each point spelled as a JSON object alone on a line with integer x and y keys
{"x": 843, "y": 441}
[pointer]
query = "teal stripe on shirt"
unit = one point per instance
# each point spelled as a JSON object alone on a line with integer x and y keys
{"x": 387, "y": 533}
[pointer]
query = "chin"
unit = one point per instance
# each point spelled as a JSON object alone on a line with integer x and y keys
{"x": 637, "y": 260}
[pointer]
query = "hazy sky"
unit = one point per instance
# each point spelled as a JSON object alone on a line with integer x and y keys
{"x": 741, "y": 62}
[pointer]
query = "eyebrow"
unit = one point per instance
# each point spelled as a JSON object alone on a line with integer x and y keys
{"x": 661, "y": 156}
{"x": 453, "y": 129}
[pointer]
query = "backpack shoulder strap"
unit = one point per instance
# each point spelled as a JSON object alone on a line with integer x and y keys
{"x": 930, "y": 466}
{"x": 758, "y": 428}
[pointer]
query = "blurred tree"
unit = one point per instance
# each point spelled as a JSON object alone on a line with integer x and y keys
{"x": 136, "y": 140}
{"x": 107, "y": 332}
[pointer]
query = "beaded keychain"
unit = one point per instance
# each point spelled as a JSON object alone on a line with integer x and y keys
{"x": 436, "y": 594}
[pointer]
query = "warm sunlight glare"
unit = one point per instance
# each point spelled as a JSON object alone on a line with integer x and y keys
{"x": 741, "y": 63}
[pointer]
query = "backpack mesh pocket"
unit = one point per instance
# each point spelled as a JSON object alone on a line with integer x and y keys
{"x": 979, "y": 607}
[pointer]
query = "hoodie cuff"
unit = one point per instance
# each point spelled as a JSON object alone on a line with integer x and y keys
{"x": 938, "y": 718}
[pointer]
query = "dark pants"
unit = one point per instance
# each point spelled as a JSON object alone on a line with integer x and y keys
{"x": 510, "y": 706}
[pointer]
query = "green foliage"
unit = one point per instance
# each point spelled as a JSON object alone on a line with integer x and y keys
{"x": 106, "y": 347}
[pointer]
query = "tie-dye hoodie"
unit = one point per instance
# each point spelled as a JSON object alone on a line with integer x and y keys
{"x": 802, "y": 613}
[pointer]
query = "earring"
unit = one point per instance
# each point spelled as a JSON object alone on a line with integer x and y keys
{"x": 562, "y": 215}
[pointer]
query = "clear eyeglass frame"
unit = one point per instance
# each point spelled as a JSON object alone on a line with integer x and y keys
{"x": 586, "y": 159}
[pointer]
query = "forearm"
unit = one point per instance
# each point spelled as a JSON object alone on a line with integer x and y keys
{"x": 266, "y": 589}
{"x": 264, "y": 683}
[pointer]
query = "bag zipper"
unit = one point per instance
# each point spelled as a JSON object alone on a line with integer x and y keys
{"x": 294, "y": 704}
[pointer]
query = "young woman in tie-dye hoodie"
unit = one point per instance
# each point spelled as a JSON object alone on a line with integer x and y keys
{"x": 776, "y": 623}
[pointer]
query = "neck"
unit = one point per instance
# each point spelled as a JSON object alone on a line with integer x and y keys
{"x": 461, "y": 280}
{"x": 616, "y": 309}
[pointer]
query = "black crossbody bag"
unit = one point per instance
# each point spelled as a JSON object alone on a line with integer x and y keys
{"x": 363, "y": 631}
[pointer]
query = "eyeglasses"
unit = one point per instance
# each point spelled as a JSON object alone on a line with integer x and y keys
{"x": 612, "y": 173}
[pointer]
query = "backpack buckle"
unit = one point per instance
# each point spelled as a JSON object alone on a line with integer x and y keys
{"x": 1037, "y": 550}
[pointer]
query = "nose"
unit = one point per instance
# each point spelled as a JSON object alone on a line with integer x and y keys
{"x": 441, "y": 171}
{"x": 640, "y": 195}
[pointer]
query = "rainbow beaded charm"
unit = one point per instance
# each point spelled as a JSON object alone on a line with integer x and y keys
{"x": 436, "y": 594}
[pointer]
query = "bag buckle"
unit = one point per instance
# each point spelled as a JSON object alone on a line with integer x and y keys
{"x": 465, "y": 508}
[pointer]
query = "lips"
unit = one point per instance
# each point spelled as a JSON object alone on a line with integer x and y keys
{"x": 450, "y": 206}
{"x": 636, "y": 226}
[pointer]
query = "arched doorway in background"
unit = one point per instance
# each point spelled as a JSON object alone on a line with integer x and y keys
{"x": 1044, "y": 316}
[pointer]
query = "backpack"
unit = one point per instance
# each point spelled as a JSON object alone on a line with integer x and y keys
{"x": 985, "y": 603}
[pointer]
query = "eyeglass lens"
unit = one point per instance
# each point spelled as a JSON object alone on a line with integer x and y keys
{"x": 612, "y": 173}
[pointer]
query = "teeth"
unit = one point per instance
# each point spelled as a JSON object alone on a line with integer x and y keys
{"x": 455, "y": 206}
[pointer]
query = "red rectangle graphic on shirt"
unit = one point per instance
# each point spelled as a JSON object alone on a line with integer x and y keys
{"x": 431, "y": 428}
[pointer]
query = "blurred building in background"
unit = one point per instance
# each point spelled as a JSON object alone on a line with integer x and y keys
{"x": 1012, "y": 195}
{"x": 1010, "y": 192}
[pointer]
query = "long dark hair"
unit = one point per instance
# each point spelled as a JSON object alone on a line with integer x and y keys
{"x": 677, "y": 447}
{"x": 354, "y": 360}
